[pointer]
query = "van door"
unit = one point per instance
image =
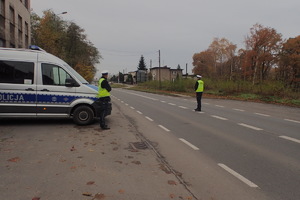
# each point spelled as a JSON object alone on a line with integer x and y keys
{"x": 53, "y": 96}
{"x": 17, "y": 89}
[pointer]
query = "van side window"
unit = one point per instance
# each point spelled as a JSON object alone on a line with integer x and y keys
{"x": 54, "y": 75}
{"x": 16, "y": 72}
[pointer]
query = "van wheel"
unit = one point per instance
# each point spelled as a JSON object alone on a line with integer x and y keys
{"x": 83, "y": 115}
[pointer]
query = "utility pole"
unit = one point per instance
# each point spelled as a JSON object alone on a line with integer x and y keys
{"x": 186, "y": 74}
{"x": 159, "y": 69}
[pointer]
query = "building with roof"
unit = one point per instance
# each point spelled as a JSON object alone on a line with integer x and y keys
{"x": 15, "y": 28}
{"x": 165, "y": 73}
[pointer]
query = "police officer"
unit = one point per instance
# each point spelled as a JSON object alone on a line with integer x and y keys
{"x": 199, "y": 87}
{"x": 104, "y": 98}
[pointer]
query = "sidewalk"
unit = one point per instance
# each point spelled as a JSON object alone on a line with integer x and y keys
{"x": 83, "y": 163}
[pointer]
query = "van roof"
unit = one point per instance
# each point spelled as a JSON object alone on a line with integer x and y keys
{"x": 28, "y": 55}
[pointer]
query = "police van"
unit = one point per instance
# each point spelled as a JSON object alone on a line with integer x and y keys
{"x": 34, "y": 83}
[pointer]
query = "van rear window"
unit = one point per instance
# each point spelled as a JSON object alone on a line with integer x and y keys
{"x": 16, "y": 72}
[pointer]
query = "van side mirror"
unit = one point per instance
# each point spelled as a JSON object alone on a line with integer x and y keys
{"x": 71, "y": 82}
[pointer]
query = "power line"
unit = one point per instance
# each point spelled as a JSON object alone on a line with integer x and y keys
{"x": 125, "y": 53}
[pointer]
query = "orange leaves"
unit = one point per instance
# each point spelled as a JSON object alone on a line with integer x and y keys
{"x": 15, "y": 159}
{"x": 88, "y": 72}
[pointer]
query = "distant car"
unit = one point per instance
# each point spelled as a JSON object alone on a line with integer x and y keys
{"x": 34, "y": 83}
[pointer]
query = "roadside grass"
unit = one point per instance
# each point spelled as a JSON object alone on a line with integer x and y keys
{"x": 118, "y": 85}
{"x": 269, "y": 92}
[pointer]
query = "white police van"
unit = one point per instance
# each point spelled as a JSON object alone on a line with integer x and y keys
{"x": 34, "y": 83}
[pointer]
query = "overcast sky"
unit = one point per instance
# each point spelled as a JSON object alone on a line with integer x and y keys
{"x": 123, "y": 30}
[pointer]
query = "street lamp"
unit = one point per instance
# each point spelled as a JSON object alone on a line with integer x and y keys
{"x": 62, "y": 13}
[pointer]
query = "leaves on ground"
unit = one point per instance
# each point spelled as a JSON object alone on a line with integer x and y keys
{"x": 73, "y": 148}
{"x": 99, "y": 196}
{"x": 121, "y": 191}
{"x": 87, "y": 194}
{"x": 15, "y": 159}
{"x": 90, "y": 183}
{"x": 172, "y": 182}
{"x": 136, "y": 162}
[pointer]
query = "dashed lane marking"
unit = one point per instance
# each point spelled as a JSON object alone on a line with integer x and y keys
{"x": 290, "y": 139}
{"x": 183, "y": 107}
{"x": 219, "y": 106}
{"x": 261, "y": 114}
{"x": 251, "y": 127}
{"x": 290, "y": 120}
{"x": 189, "y": 144}
{"x": 237, "y": 175}
{"x": 139, "y": 112}
{"x": 164, "y": 128}
{"x": 238, "y": 109}
{"x": 218, "y": 117}
{"x": 149, "y": 118}
{"x": 146, "y": 97}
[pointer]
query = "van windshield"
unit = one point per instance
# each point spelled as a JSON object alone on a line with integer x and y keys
{"x": 78, "y": 76}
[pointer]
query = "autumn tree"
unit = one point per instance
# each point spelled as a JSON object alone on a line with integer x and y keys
{"x": 262, "y": 49}
{"x": 67, "y": 41}
{"x": 289, "y": 65}
{"x": 223, "y": 53}
{"x": 203, "y": 63}
{"x": 49, "y": 32}
{"x": 88, "y": 72}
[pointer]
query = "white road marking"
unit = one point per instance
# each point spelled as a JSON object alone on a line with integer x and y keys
{"x": 239, "y": 109}
{"x": 261, "y": 114}
{"x": 126, "y": 104}
{"x": 219, "y": 106}
{"x": 143, "y": 96}
{"x": 237, "y": 175}
{"x": 172, "y": 104}
{"x": 290, "y": 120}
{"x": 183, "y": 107}
{"x": 163, "y": 101}
{"x": 139, "y": 112}
{"x": 205, "y": 103}
{"x": 161, "y": 126}
{"x": 249, "y": 126}
{"x": 218, "y": 117}
{"x": 122, "y": 101}
{"x": 290, "y": 138}
{"x": 132, "y": 107}
{"x": 189, "y": 144}
{"x": 149, "y": 119}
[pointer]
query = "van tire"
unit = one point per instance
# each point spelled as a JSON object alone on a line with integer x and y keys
{"x": 83, "y": 115}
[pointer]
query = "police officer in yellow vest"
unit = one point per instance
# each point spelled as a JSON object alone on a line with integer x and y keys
{"x": 199, "y": 87}
{"x": 104, "y": 98}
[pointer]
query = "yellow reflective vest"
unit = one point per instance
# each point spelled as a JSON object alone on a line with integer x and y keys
{"x": 102, "y": 92}
{"x": 200, "y": 86}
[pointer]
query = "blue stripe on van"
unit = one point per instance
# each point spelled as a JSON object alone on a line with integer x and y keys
{"x": 41, "y": 98}
{"x": 6, "y": 97}
{"x": 61, "y": 99}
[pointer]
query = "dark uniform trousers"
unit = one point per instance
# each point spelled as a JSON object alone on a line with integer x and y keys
{"x": 104, "y": 107}
{"x": 199, "y": 97}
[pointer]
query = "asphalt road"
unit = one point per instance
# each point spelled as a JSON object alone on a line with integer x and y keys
{"x": 231, "y": 150}
{"x": 54, "y": 159}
